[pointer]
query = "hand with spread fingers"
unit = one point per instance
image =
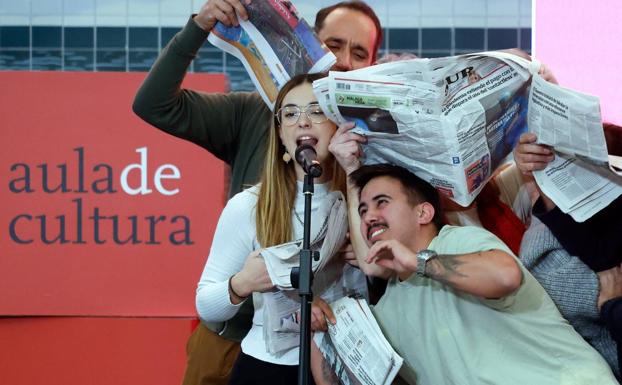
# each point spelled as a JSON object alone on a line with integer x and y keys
{"x": 223, "y": 11}
{"x": 346, "y": 147}
{"x": 530, "y": 156}
{"x": 393, "y": 255}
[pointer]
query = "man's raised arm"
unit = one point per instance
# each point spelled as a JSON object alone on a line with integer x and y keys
{"x": 215, "y": 121}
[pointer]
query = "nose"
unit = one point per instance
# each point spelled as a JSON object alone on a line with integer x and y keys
{"x": 303, "y": 120}
{"x": 370, "y": 217}
{"x": 344, "y": 61}
{"x": 367, "y": 220}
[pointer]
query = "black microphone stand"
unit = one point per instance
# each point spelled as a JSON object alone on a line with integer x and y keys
{"x": 302, "y": 279}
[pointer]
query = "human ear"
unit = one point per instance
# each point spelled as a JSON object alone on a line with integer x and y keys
{"x": 425, "y": 213}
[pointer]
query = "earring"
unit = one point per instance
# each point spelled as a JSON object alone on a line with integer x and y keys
{"x": 286, "y": 157}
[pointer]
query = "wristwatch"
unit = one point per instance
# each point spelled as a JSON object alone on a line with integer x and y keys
{"x": 423, "y": 256}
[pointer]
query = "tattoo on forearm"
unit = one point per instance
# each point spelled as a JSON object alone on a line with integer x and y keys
{"x": 328, "y": 374}
{"x": 445, "y": 268}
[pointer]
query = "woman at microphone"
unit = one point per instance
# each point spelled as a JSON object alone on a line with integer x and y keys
{"x": 264, "y": 215}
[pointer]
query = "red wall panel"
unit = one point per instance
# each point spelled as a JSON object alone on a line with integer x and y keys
{"x": 93, "y": 351}
{"x": 67, "y": 140}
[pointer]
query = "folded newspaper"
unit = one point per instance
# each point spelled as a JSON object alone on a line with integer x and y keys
{"x": 281, "y": 325}
{"x": 582, "y": 179}
{"x": 332, "y": 278}
{"x": 274, "y": 44}
{"x": 450, "y": 120}
{"x": 329, "y": 236}
{"x": 454, "y": 120}
{"x": 355, "y": 347}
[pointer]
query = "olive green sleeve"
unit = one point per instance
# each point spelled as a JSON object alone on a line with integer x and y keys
{"x": 215, "y": 121}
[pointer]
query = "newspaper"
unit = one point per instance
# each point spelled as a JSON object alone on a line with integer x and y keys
{"x": 451, "y": 120}
{"x": 274, "y": 44}
{"x": 615, "y": 162}
{"x": 281, "y": 322}
{"x": 582, "y": 179}
{"x": 331, "y": 279}
{"x": 328, "y": 239}
{"x": 355, "y": 347}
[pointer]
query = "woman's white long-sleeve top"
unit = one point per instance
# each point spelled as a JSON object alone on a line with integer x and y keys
{"x": 235, "y": 238}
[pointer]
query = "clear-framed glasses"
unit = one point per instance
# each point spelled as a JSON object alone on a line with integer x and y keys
{"x": 289, "y": 115}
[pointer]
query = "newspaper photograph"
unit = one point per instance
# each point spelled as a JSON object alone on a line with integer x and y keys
{"x": 355, "y": 347}
{"x": 274, "y": 44}
{"x": 451, "y": 120}
{"x": 237, "y": 42}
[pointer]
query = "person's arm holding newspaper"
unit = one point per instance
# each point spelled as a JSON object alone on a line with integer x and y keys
{"x": 321, "y": 313}
{"x": 345, "y": 146}
{"x": 216, "y": 121}
{"x": 234, "y": 269}
{"x": 547, "y": 74}
{"x": 529, "y": 157}
{"x": 223, "y": 11}
{"x": 576, "y": 237}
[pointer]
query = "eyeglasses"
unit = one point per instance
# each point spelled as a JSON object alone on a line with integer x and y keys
{"x": 289, "y": 115}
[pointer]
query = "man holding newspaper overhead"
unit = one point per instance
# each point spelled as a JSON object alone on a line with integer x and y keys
{"x": 234, "y": 128}
{"x": 460, "y": 308}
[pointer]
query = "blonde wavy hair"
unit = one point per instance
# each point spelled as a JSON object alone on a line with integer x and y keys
{"x": 277, "y": 191}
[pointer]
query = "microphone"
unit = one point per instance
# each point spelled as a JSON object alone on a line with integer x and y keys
{"x": 307, "y": 159}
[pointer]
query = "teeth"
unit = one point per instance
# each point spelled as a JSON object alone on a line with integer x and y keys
{"x": 377, "y": 232}
{"x": 306, "y": 139}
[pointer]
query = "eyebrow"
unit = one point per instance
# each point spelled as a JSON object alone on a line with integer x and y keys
{"x": 296, "y": 105}
{"x": 334, "y": 40}
{"x": 360, "y": 48}
{"x": 355, "y": 46}
{"x": 361, "y": 205}
{"x": 380, "y": 196}
{"x": 374, "y": 199}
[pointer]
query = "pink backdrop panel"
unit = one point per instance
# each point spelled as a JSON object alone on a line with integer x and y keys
{"x": 102, "y": 214}
{"x": 581, "y": 43}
